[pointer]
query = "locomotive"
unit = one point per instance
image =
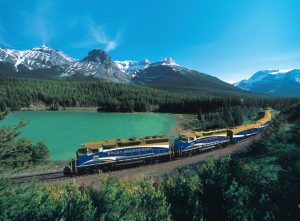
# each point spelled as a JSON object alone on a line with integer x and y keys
{"x": 107, "y": 154}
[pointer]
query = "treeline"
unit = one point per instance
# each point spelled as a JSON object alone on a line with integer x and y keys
{"x": 18, "y": 152}
{"x": 227, "y": 116}
{"x": 258, "y": 186}
{"x": 16, "y": 93}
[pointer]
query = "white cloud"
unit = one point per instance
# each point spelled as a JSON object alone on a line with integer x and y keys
{"x": 97, "y": 36}
{"x": 111, "y": 45}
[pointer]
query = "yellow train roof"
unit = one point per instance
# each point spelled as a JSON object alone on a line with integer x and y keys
{"x": 201, "y": 133}
{"x": 259, "y": 123}
{"x": 244, "y": 127}
{"x": 267, "y": 117}
{"x": 126, "y": 141}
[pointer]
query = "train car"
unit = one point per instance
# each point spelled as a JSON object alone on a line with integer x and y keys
{"x": 109, "y": 153}
{"x": 195, "y": 141}
{"x": 265, "y": 121}
{"x": 248, "y": 130}
{"x": 245, "y": 131}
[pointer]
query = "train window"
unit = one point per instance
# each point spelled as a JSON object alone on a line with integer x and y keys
{"x": 82, "y": 151}
{"x": 191, "y": 138}
{"x": 94, "y": 150}
{"x": 183, "y": 138}
{"x": 89, "y": 152}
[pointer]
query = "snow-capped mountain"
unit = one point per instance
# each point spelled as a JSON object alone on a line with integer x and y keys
{"x": 273, "y": 82}
{"x": 36, "y": 58}
{"x": 97, "y": 64}
{"x": 131, "y": 67}
{"x": 46, "y": 63}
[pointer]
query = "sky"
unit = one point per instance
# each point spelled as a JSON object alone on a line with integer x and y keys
{"x": 229, "y": 39}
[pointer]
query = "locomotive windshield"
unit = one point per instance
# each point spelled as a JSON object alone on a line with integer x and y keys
{"x": 183, "y": 138}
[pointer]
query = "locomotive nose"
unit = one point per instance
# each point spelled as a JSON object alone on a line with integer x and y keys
{"x": 177, "y": 144}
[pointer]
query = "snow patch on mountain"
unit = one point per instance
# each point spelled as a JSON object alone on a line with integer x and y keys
{"x": 131, "y": 67}
{"x": 169, "y": 62}
{"x": 280, "y": 71}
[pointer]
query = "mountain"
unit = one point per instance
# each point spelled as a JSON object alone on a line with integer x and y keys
{"x": 33, "y": 62}
{"x": 97, "y": 64}
{"x": 131, "y": 67}
{"x": 36, "y": 58}
{"x": 47, "y": 63}
{"x": 169, "y": 75}
{"x": 284, "y": 83}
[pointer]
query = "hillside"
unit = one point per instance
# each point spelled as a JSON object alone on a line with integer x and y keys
{"x": 180, "y": 78}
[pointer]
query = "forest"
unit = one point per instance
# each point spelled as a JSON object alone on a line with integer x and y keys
{"x": 17, "y": 93}
{"x": 260, "y": 184}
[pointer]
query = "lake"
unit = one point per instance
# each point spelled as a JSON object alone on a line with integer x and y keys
{"x": 64, "y": 132}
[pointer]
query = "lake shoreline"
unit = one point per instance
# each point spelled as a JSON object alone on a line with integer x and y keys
{"x": 183, "y": 121}
{"x": 81, "y": 109}
{"x": 94, "y": 109}
{"x": 71, "y": 109}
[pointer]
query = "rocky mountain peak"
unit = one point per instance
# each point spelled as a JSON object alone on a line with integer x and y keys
{"x": 98, "y": 55}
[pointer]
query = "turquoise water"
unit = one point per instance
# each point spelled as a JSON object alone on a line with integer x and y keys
{"x": 63, "y": 132}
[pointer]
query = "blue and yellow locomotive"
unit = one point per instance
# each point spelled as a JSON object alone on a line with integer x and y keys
{"x": 105, "y": 154}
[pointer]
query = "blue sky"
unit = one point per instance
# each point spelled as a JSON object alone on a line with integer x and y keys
{"x": 229, "y": 39}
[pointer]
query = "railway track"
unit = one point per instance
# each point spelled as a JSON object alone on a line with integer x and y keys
{"x": 42, "y": 177}
{"x": 154, "y": 169}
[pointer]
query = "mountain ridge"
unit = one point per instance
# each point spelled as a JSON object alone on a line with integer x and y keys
{"x": 275, "y": 82}
{"x": 45, "y": 62}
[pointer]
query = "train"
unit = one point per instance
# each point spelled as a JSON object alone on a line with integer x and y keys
{"x": 108, "y": 154}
